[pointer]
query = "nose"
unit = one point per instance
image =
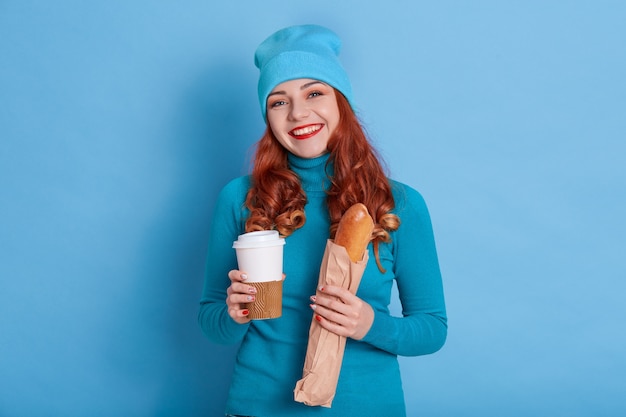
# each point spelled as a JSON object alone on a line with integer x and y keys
{"x": 298, "y": 110}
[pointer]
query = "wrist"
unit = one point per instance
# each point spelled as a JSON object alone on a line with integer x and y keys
{"x": 367, "y": 322}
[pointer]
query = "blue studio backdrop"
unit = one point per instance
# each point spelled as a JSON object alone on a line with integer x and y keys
{"x": 120, "y": 122}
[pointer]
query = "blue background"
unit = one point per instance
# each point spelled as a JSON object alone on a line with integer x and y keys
{"x": 120, "y": 121}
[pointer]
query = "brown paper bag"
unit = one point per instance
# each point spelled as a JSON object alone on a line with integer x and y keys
{"x": 325, "y": 349}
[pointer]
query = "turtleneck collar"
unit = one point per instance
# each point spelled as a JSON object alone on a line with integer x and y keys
{"x": 312, "y": 172}
{"x": 306, "y": 163}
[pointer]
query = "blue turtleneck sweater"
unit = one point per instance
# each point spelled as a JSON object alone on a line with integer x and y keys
{"x": 271, "y": 356}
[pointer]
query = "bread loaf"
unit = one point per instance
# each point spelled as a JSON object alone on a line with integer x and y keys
{"x": 354, "y": 231}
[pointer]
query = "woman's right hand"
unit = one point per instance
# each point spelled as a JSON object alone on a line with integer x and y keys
{"x": 237, "y": 295}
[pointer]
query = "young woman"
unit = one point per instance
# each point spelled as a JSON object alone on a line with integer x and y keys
{"x": 314, "y": 162}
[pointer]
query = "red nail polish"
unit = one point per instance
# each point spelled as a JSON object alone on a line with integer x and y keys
{"x": 245, "y": 312}
{"x": 321, "y": 288}
{"x": 318, "y": 318}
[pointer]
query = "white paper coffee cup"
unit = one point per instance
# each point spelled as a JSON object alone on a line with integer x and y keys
{"x": 260, "y": 256}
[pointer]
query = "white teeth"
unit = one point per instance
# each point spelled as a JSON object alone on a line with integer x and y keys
{"x": 306, "y": 130}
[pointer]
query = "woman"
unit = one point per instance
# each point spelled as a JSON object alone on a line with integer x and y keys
{"x": 313, "y": 162}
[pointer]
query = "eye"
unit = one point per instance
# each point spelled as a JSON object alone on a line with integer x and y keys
{"x": 278, "y": 103}
{"x": 315, "y": 93}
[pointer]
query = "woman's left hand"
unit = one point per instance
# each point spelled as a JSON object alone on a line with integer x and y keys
{"x": 341, "y": 312}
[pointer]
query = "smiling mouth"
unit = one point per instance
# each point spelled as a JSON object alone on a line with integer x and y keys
{"x": 305, "y": 132}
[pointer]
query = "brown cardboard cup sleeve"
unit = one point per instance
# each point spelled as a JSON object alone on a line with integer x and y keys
{"x": 325, "y": 350}
{"x": 268, "y": 303}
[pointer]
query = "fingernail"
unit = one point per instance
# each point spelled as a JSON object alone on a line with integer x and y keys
{"x": 318, "y": 318}
{"x": 313, "y": 306}
{"x": 244, "y": 276}
{"x": 245, "y": 312}
{"x": 250, "y": 298}
{"x": 252, "y": 290}
{"x": 321, "y": 288}
{"x": 313, "y": 298}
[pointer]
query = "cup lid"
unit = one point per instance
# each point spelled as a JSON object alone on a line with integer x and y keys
{"x": 260, "y": 239}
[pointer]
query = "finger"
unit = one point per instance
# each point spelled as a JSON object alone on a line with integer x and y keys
{"x": 336, "y": 291}
{"x": 240, "y": 288}
{"x": 237, "y": 298}
{"x": 329, "y": 314}
{"x": 239, "y": 315}
{"x": 331, "y": 326}
{"x": 333, "y": 303}
{"x": 236, "y": 275}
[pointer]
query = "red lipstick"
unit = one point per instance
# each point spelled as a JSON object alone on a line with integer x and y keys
{"x": 306, "y": 131}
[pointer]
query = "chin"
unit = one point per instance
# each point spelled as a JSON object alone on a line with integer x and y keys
{"x": 310, "y": 155}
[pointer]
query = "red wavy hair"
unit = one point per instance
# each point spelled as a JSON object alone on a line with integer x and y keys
{"x": 276, "y": 199}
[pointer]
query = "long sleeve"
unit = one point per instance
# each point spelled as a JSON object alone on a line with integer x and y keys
{"x": 370, "y": 381}
{"x": 228, "y": 223}
{"x": 423, "y": 328}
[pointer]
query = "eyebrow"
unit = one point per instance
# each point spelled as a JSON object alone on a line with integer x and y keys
{"x": 302, "y": 87}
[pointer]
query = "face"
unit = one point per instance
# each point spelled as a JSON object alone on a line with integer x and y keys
{"x": 303, "y": 114}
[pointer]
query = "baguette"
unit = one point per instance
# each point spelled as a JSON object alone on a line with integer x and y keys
{"x": 354, "y": 231}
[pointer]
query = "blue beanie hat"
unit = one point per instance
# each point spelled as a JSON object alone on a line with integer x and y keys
{"x": 307, "y": 51}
